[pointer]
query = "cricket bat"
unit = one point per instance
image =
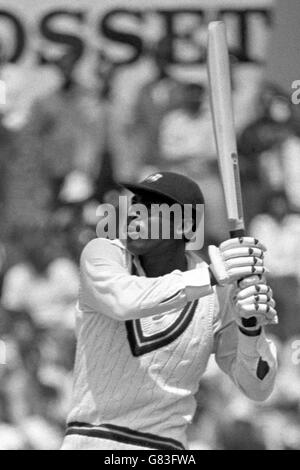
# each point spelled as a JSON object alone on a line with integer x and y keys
{"x": 223, "y": 123}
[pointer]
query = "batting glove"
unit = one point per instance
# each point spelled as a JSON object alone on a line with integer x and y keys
{"x": 254, "y": 305}
{"x": 235, "y": 259}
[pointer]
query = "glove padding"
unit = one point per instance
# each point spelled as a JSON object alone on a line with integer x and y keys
{"x": 236, "y": 258}
{"x": 253, "y": 298}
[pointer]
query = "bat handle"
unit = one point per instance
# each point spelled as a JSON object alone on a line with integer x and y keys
{"x": 247, "y": 322}
{"x": 237, "y": 233}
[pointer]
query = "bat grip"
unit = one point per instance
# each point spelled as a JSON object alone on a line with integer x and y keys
{"x": 247, "y": 322}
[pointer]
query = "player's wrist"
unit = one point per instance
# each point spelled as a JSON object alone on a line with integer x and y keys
{"x": 250, "y": 333}
{"x": 250, "y": 345}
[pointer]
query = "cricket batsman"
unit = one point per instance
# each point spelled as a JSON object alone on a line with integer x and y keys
{"x": 150, "y": 314}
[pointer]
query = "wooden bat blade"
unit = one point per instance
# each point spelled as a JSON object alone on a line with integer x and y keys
{"x": 223, "y": 123}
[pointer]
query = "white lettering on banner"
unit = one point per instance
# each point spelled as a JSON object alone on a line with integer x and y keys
{"x": 119, "y": 33}
{"x": 124, "y": 29}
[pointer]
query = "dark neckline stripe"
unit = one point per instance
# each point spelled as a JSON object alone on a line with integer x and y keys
{"x": 145, "y": 347}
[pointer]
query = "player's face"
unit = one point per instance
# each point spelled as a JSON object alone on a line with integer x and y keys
{"x": 144, "y": 227}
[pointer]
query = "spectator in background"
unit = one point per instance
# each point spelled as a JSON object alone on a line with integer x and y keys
{"x": 186, "y": 135}
{"x": 261, "y": 147}
{"x": 155, "y": 98}
{"x": 8, "y": 150}
{"x": 7, "y": 155}
{"x": 63, "y": 135}
{"x": 69, "y": 121}
{"x": 33, "y": 383}
{"x": 44, "y": 284}
{"x": 187, "y": 146}
{"x": 279, "y": 230}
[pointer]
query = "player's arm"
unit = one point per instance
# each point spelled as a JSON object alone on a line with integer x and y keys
{"x": 108, "y": 287}
{"x": 245, "y": 353}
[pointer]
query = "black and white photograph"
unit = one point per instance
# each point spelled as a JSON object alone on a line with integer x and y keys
{"x": 149, "y": 227}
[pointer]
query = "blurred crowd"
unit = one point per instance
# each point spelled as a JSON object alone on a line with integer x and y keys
{"x": 59, "y": 164}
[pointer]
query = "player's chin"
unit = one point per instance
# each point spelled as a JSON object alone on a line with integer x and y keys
{"x": 140, "y": 246}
